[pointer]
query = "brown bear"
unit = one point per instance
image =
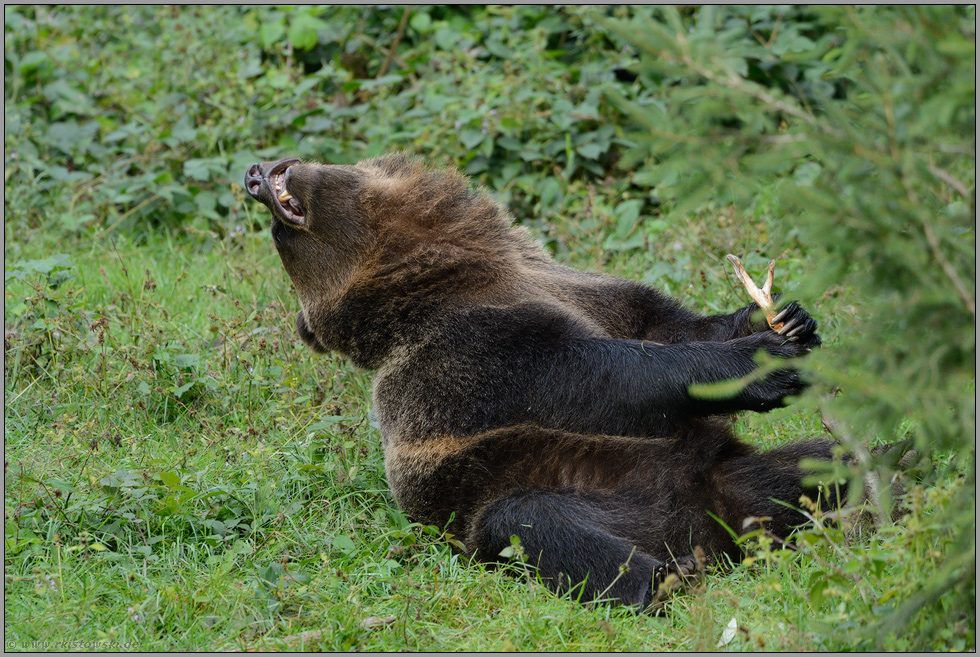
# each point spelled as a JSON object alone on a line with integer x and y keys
{"x": 519, "y": 397}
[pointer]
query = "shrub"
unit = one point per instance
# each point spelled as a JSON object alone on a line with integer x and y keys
{"x": 862, "y": 119}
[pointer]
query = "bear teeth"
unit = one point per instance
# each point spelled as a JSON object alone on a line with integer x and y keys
{"x": 281, "y": 193}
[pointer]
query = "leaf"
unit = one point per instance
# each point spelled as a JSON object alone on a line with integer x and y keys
{"x": 655, "y": 227}
{"x": 184, "y": 130}
{"x": 344, "y": 543}
{"x": 718, "y": 390}
{"x": 728, "y": 633}
{"x": 32, "y": 61}
{"x": 471, "y": 138}
{"x": 818, "y": 590}
{"x": 62, "y": 174}
{"x": 197, "y": 169}
{"x": 187, "y": 360}
{"x": 303, "y": 31}
{"x": 19, "y": 270}
{"x": 271, "y": 573}
{"x": 550, "y": 191}
{"x": 446, "y": 38}
{"x": 206, "y": 202}
{"x": 629, "y": 214}
{"x": 509, "y": 143}
{"x": 74, "y": 222}
{"x": 736, "y": 64}
{"x": 170, "y": 479}
{"x": 328, "y": 422}
{"x": 270, "y": 32}
{"x": 63, "y": 486}
{"x": 497, "y": 49}
{"x": 421, "y": 23}
{"x": 634, "y": 241}
{"x": 70, "y": 135}
{"x": 590, "y": 151}
{"x": 791, "y": 41}
{"x": 179, "y": 391}
{"x": 391, "y": 78}
{"x": 227, "y": 200}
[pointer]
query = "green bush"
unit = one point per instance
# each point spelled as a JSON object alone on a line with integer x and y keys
{"x": 510, "y": 93}
{"x": 864, "y": 117}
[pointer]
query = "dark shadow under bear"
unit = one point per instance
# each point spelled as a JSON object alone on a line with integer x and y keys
{"x": 518, "y": 397}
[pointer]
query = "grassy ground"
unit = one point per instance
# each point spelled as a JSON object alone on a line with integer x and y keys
{"x": 181, "y": 474}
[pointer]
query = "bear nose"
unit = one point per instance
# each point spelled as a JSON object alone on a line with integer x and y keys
{"x": 253, "y": 180}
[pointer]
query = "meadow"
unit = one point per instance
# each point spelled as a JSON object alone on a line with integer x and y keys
{"x": 182, "y": 474}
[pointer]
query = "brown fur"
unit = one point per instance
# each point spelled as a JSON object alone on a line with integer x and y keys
{"x": 516, "y": 396}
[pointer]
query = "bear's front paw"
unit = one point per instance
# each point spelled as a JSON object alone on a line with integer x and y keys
{"x": 771, "y": 390}
{"x": 775, "y": 344}
{"x": 797, "y": 325}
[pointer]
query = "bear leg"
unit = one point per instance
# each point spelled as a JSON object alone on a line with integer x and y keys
{"x": 565, "y": 538}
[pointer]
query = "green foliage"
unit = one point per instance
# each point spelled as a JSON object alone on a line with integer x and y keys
{"x": 183, "y": 474}
{"x": 110, "y": 143}
{"x": 875, "y": 162}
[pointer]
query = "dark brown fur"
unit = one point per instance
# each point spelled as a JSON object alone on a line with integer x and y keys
{"x": 519, "y": 397}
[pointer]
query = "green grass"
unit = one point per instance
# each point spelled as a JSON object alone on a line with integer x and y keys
{"x": 182, "y": 474}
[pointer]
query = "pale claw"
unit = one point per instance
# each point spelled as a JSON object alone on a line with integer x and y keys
{"x": 794, "y": 332}
{"x": 779, "y": 317}
{"x": 787, "y": 326}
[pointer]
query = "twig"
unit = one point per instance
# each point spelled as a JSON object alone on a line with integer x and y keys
{"x": 947, "y": 178}
{"x": 937, "y": 253}
{"x": 762, "y": 296}
{"x": 394, "y": 44}
{"x": 733, "y": 81}
{"x": 948, "y": 269}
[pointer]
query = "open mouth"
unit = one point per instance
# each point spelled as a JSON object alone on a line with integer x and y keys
{"x": 290, "y": 207}
{"x": 269, "y": 183}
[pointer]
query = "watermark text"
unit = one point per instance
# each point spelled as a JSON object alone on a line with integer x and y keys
{"x": 70, "y": 645}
